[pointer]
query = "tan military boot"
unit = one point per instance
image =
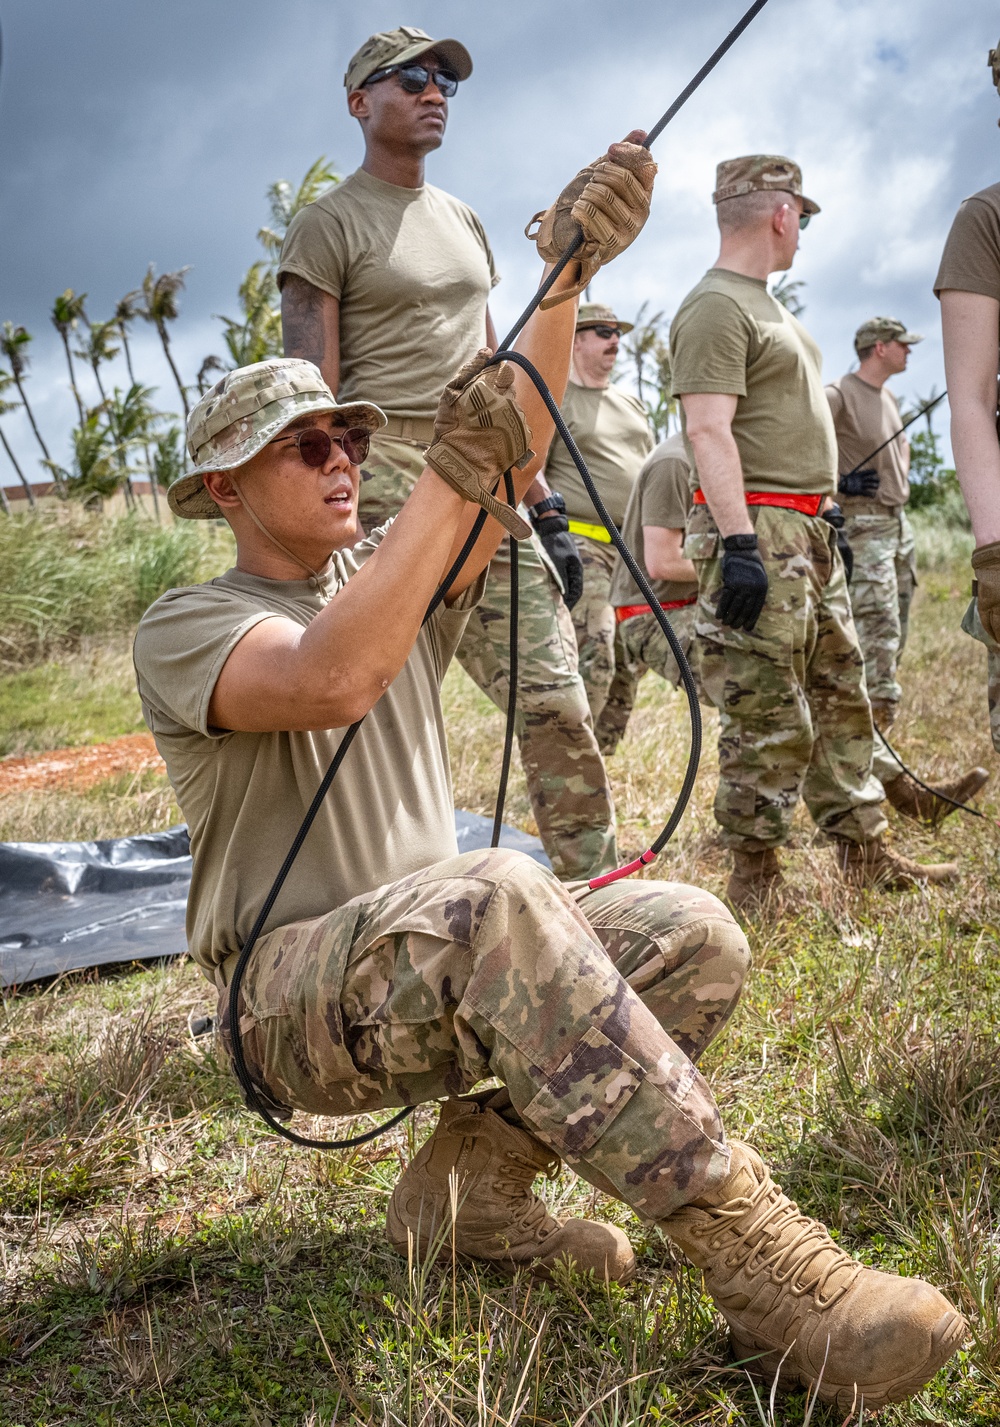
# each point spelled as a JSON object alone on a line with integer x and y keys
{"x": 798, "y": 1304}
{"x": 909, "y": 798}
{"x": 756, "y": 883}
{"x": 500, "y": 1218}
{"x": 871, "y": 864}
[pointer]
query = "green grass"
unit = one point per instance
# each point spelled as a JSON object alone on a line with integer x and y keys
{"x": 66, "y": 703}
{"x": 167, "y": 1261}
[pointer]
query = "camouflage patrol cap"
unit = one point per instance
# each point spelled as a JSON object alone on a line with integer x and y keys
{"x": 760, "y": 173}
{"x": 245, "y": 410}
{"x": 400, "y": 46}
{"x": 884, "y": 329}
{"x": 596, "y": 314}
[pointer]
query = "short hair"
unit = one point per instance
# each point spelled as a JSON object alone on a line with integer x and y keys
{"x": 751, "y": 210}
{"x": 864, "y": 352}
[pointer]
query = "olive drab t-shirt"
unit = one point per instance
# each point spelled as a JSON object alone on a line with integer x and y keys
{"x": 863, "y": 417}
{"x": 390, "y": 810}
{"x": 971, "y": 258}
{"x": 412, "y": 270}
{"x": 661, "y": 496}
{"x": 612, "y": 431}
{"x": 730, "y": 336}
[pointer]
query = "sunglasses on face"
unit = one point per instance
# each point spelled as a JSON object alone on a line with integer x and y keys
{"x": 315, "y": 445}
{"x": 605, "y": 332}
{"x": 414, "y": 78}
{"x": 804, "y": 220}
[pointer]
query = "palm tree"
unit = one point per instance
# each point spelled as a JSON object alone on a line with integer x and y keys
{"x": 209, "y": 365}
{"x": 98, "y": 348}
{"x": 131, "y": 418}
{"x": 285, "y": 201}
{"x": 259, "y": 334}
{"x": 6, "y": 382}
{"x": 126, "y": 311}
{"x": 14, "y": 345}
{"x": 649, "y": 351}
{"x": 168, "y": 458}
{"x": 787, "y": 293}
{"x": 66, "y": 313}
{"x": 160, "y": 307}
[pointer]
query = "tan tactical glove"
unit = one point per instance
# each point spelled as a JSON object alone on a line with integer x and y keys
{"x": 986, "y": 563}
{"x": 609, "y": 201}
{"x": 479, "y": 433}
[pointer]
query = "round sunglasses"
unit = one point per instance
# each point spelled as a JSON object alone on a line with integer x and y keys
{"x": 414, "y": 78}
{"x": 315, "y": 445}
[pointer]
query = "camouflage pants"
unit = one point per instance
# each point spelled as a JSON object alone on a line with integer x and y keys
{"x": 591, "y": 1007}
{"x": 640, "y": 646}
{"x": 567, "y": 781}
{"x": 881, "y": 589}
{"x": 973, "y": 625}
{"x": 594, "y": 621}
{"x": 795, "y": 717}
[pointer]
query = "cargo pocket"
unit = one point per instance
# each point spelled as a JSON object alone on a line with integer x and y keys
{"x": 701, "y": 544}
{"x": 589, "y": 1089}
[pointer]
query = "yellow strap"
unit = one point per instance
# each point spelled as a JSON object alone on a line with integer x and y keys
{"x": 592, "y": 532}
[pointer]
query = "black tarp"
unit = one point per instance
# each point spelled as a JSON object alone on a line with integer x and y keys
{"x": 68, "y": 905}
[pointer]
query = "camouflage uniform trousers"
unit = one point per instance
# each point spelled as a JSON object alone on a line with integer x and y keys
{"x": 594, "y": 622}
{"x": 591, "y": 1007}
{"x": 640, "y": 645}
{"x": 795, "y": 717}
{"x": 972, "y": 624}
{"x": 567, "y": 782}
{"x": 881, "y": 589}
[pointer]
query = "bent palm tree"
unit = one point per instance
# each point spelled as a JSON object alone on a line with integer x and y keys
{"x": 6, "y": 382}
{"x": 126, "y": 311}
{"x": 98, "y": 349}
{"x": 14, "y": 345}
{"x": 160, "y": 307}
{"x": 285, "y": 201}
{"x": 66, "y": 313}
{"x": 259, "y": 334}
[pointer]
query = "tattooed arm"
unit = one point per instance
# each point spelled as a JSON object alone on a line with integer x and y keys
{"x": 310, "y": 324}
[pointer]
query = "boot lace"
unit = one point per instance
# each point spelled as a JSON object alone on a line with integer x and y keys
{"x": 534, "y": 1216}
{"x": 783, "y": 1242}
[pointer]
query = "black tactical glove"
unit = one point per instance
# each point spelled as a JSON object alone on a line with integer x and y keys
{"x": 835, "y": 517}
{"x": 859, "y": 483}
{"x": 744, "y": 583}
{"x": 553, "y": 531}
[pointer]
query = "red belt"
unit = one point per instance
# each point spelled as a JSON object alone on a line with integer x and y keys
{"x": 629, "y": 611}
{"x": 804, "y": 504}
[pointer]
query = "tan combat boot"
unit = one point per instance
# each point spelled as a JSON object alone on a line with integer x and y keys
{"x": 909, "y": 798}
{"x": 500, "y": 1219}
{"x": 871, "y": 864}
{"x": 798, "y": 1304}
{"x": 756, "y": 883}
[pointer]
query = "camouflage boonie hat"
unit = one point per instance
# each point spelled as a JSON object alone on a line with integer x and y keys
{"x": 760, "y": 173}
{"x": 883, "y": 329}
{"x": 400, "y": 46}
{"x": 245, "y": 410}
{"x": 596, "y": 314}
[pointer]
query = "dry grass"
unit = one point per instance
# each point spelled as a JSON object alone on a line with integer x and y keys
{"x": 165, "y": 1260}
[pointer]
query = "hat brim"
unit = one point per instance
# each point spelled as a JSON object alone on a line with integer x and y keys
{"x": 623, "y": 327}
{"x": 187, "y": 496}
{"x": 453, "y": 52}
{"x": 809, "y": 206}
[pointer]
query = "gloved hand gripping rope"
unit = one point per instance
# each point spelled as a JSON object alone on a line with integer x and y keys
{"x": 256, "y": 1095}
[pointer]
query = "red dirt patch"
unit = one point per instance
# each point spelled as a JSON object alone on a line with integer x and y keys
{"x": 76, "y": 769}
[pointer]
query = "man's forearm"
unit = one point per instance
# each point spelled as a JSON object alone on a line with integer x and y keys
{"x": 977, "y": 464}
{"x": 310, "y": 322}
{"x": 720, "y": 475}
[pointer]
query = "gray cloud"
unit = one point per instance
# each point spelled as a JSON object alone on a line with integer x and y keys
{"x": 133, "y": 132}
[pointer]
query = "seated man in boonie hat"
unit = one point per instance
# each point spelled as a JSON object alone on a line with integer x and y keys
{"x": 393, "y": 970}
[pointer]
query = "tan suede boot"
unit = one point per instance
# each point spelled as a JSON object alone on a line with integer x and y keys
{"x": 908, "y": 798}
{"x": 500, "y": 1219}
{"x": 797, "y": 1303}
{"x": 756, "y": 883}
{"x": 871, "y": 864}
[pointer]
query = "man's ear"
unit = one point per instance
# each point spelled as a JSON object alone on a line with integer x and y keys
{"x": 780, "y": 219}
{"x": 222, "y": 488}
{"x": 357, "y": 104}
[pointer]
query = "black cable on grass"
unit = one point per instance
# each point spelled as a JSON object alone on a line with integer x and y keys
{"x": 935, "y": 792}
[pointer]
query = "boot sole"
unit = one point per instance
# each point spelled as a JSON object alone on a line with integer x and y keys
{"x": 946, "y": 1339}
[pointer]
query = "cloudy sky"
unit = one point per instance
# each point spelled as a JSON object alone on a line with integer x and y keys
{"x": 134, "y": 132}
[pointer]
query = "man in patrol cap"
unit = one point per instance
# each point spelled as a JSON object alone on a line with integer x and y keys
{"x": 384, "y": 285}
{"x": 654, "y": 527}
{"x": 873, "y": 490}
{"x": 968, "y": 284}
{"x": 777, "y": 650}
{"x": 611, "y": 428}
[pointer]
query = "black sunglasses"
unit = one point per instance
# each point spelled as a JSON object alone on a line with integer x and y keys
{"x": 315, "y": 445}
{"x": 415, "y": 78}
{"x": 605, "y": 332}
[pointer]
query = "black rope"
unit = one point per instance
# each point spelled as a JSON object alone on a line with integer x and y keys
{"x": 935, "y": 792}
{"x": 251, "y": 1091}
{"x": 508, "y": 737}
{"x": 908, "y": 422}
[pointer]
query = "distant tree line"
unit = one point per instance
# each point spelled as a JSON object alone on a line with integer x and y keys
{"x": 128, "y": 435}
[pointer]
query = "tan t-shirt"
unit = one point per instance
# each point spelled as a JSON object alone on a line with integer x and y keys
{"x": 661, "y": 496}
{"x": 863, "y": 417}
{"x": 731, "y": 336}
{"x": 971, "y": 258}
{"x": 390, "y": 810}
{"x": 412, "y": 269}
{"x": 612, "y": 431}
